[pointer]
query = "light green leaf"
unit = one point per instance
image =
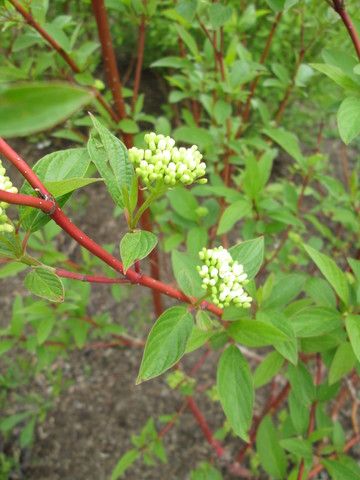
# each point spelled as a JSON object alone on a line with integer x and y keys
{"x": 44, "y": 283}
{"x": 342, "y": 363}
{"x": 128, "y": 126}
{"x": 250, "y": 254}
{"x": 219, "y": 14}
{"x": 339, "y": 471}
{"x": 166, "y": 342}
{"x": 331, "y": 272}
{"x": 236, "y": 391}
{"x": 187, "y": 277}
{"x": 124, "y": 463}
{"x": 269, "y": 367}
{"x": 110, "y": 157}
{"x": 62, "y": 187}
{"x": 136, "y": 246}
{"x": 272, "y": 456}
{"x": 348, "y": 118}
{"x": 55, "y": 167}
{"x": 315, "y": 321}
{"x": 33, "y": 107}
{"x": 288, "y": 141}
{"x": 352, "y": 323}
{"x": 188, "y": 40}
{"x": 194, "y": 135}
{"x": 255, "y": 333}
{"x": 232, "y": 214}
{"x": 172, "y": 62}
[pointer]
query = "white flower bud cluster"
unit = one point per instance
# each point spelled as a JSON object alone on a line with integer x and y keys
{"x": 5, "y": 184}
{"x": 162, "y": 162}
{"x": 224, "y": 278}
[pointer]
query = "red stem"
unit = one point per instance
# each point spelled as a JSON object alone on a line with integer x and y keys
{"x": 139, "y": 62}
{"x": 19, "y": 199}
{"x": 82, "y": 239}
{"x": 111, "y": 70}
{"x": 89, "y": 278}
{"x": 339, "y": 7}
{"x": 219, "y": 450}
{"x": 264, "y": 55}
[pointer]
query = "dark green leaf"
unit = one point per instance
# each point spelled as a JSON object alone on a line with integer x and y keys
{"x": 136, "y": 246}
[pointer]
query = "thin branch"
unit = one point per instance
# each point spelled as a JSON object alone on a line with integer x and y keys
{"x": 140, "y": 59}
{"x": 339, "y": 7}
{"x": 19, "y": 199}
{"x": 89, "y": 278}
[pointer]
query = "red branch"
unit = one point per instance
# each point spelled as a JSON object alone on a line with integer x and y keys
{"x": 265, "y": 53}
{"x": 19, "y": 199}
{"x": 139, "y": 62}
{"x": 89, "y": 278}
{"x": 339, "y": 7}
{"x": 205, "y": 427}
{"x": 82, "y": 239}
{"x": 111, "y": 70}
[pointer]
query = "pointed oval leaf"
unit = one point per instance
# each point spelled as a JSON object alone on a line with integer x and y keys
{"x": 166, "y": 342}
{"x": 236, "y": 390}
{"x": 44, "y": 283}
{"x": 136, "y": 246}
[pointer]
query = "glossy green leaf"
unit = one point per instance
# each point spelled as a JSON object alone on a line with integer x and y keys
{"x": 236, "y": 391}
{"x": 62, "y": 187}
{"x": 33, "y": 107}
{"x": 250, "y": 254}
{"x": 255, "y": 333}
{"x": 54, "y": 167}
{"x": 166, "y": 342}
{"x": 331, "y": 272}
{"x": 44, "y": 283}
{"x": 136, "y": 246}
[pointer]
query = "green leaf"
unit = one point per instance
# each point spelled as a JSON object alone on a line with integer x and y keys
{"x": 10, "y": 246}
{"x": 27, "y": 433}
{"x": 188, "y": 40}
{"x": 288, "y": 141}
{"x": 8, "y": 423}
{"x": 348, "y": 118}
{"x": 352, "y": 323}
{"x": 205, "y": 471}
{"x": 44, "y": 328}
{"x": 219, "y": 14}
{"x": 194, "y": 135}
{"x": 124, "y": 463}
{"x": 342, "y": 363}
{"x": 128, "y": 126}
{"x": 110, "y": 157}
{"x": 315, "y": 321}
{"x": 184, "y": 203}
{"x": 272, "y": 456}
{"x": 136, "y": 246}
{"x": 299, "y": 447}
{"x": 331, "y": 272}
{"x": 55, "y": 167}
{"x": 339, "y": 471}
{"x": 33, "y": 107}
{"x": 197, "y": 339}
{"x": 172, "y": 62}
{"x": 62, "y": 187}
{"x": 255, "y": 333}
{"x": 268, "y": 368}
{"x": 236, "y": 391}
{"x": 44, "y": 283}
{"x": 187, "y": 277}
{"x": 336, "y": 75}
{"x": 166, "y": 342}
{"x": 232, "y": 214}
{"x": 250, "y": 254}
